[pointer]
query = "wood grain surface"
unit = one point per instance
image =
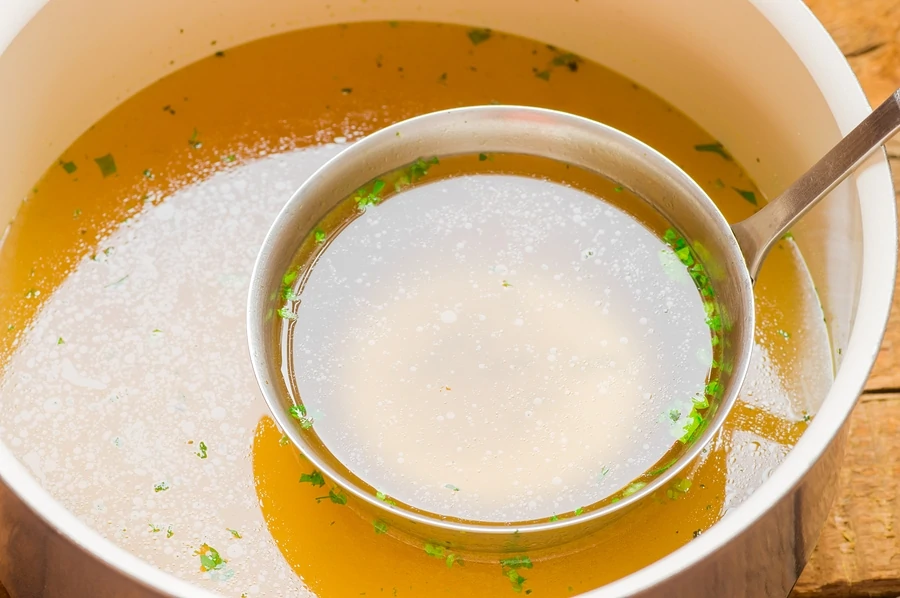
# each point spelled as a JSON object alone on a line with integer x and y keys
{"x": 858, "y": 553}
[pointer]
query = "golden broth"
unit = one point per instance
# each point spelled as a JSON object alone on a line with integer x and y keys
{"x": 127, "y": 389}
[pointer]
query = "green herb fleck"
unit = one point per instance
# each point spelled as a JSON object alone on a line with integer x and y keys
{"x": 69, "y": 167}
{"x": 229, "y": 158}
{"x": 632, "y": 488}
{"x": 662, "y": 468}
{"x": 234, "y": 533}
{"x": 451, "y": 487}
{"x": 750, "y": 196}
{"x": 434, "y": 550}
{"x": 807, "y": 417}
{"x": 335, "y": 495}
{"x": 169, "y": 532}
{"x": 153, "y": 529}
{"x": 194, "y": 140}
{"x": 604, "y": 471}
{"x": 148, "y": 174}
{"x": 716, "y": 148}
{"x": 697, "y": 533}
{"x": 346, "y": 90}
{"x": 479, "y": 36}
{"x": 202, "y": 452}
{"x": 788, "y": 236}
{"x": 714, "y": 388}
{"x": 298, "y": 412}
{"x": 320, "y": 235}
{"x": 545, "y": 74}
{"x": 482, "y": 157}
{"x": 719, "y": 184}
{"x": 60, "y": 341}
{"x": 315, "y": 478}
{"x": 107, "y": 165}
{"x": 554, "y": 518}
{"x": 784, "y": 333}
{"x": 509, "y": 567}
{"x": 568, "y": 60}
{"x": 452, "y": 558}
{"x": 679, "y": 488}
{"x": 161, "y": 487}
{"x": 384, "y": 498}
{"x": 210, "y": 559}
{"x": 506, "y": 284}
{"x": 579, "y": 510}
{"x": 380, "y": 527}
{"x": 283, "y": 441}
{"x": 286, "y": 313}
{"x": 618, "y": 189}
{"x": 674, "y": 415}
{"x": 76, "y": 213}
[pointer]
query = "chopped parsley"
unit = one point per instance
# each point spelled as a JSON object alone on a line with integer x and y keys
{"x": 234, "y": 533}
{"x": 380, "y": 527}
{"x": 286, "y": 313}
{"x": 807, "y": 417}
{"x": 510, "y": 568}
{"x": 479, "y": 36}
{"x": 210, "y": 559}
{"x": 632, "y": 488}
{"x": 319, "y": 235}
{"x": 170, "y": 532}
{"x": 438, "y": 552}
{"x": 544, "y": 74}
{"x": 76, "y": 213}
{"x": 451, "y": 487}
{"x": 506, "y": 284}
{"x": 335, "y": 495}
{"x": 604, "y": 471}
{"x": 554, "y": 518}
{"x": 788, "y": 236}
{"x": 283, "y": 441}
{"x": 715, "y": 148}
{"x": 148, "y": 174}
{"x": 153, "y": 528}
{"x": 194, "y": 140}
{"x": 568, "y": 60}
{"x": 161, "y": 487}
{"x": 69, "y": 167}
{"x": 674, "y": 415}
{"x": 202, "y": 452}
{"x": 679, "y": 488}
{"x": 298, "y": 412}
{"x": 107, "y": 165}
{"x": 618, "y": 188}
{"x": 482, "y": 157}
{"x": 60, "y": 341}
{"x": 315, "y": 478}
{"x": 384, "y": 498}
{"x": 229, "y": 158}
{"x": 750, "y": 196}
{"x": 579, "y": 510}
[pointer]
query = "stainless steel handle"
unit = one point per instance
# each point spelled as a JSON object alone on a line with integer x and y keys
{"x": 756, "y": 234}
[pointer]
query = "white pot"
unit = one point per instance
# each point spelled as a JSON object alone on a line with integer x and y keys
{"x": 761, "y": 75}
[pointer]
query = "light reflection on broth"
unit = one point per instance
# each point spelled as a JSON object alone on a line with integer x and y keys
{"x": 496, "y": 347}
{"x": 124, "y": 344}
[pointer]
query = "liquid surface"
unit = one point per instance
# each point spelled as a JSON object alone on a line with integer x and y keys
{"x": 498, "y": 348}
{"x": 122, "y": 302}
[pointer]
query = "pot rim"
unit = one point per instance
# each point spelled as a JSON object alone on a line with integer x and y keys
{"x": 848, "y": 105}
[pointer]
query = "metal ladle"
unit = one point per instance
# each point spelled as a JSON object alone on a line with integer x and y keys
{"x": 733, "y": 256}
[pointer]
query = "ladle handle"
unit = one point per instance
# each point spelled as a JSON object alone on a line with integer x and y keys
{"x": 756, "y": 234}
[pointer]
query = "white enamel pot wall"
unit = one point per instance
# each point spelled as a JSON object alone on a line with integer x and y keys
{"x": 761, "y": 75}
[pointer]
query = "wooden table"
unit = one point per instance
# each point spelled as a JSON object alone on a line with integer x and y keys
{"x": 858, "y": 552}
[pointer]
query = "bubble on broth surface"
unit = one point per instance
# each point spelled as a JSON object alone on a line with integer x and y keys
{"x": 497, "y": 347}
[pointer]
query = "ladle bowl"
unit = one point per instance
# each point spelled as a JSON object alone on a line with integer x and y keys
{"x": 732, "y": 255}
